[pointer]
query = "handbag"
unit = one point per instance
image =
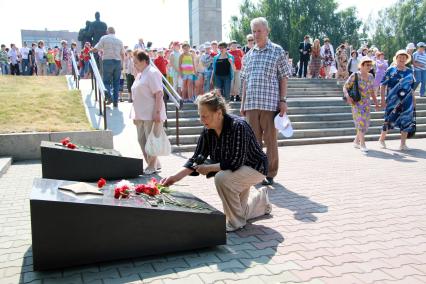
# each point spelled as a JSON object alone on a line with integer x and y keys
{"x": 158, "y": 146}
{"x": 354, "y": 91}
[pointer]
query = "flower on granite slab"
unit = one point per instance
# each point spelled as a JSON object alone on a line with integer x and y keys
{"x": 65, "y": 141}
{"x": 101, "y": 182}
{"x": 71, "y": 146}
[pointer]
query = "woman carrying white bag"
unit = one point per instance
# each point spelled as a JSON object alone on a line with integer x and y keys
{"x": 149, "y": 112}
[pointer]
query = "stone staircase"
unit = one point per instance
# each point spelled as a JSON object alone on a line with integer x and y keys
{"x": 316, "y": 110}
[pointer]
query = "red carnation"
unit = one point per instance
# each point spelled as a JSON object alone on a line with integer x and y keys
{"x": 121, "y": 192}
{"x": 140, "y": 188}
{"x": 71, "y": 145}
{"x": 101, "y": 182}
{"x": 152, "y": 190}
{"x": 65, "y": 141}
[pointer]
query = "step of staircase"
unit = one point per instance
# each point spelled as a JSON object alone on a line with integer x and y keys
{"x": 311, "y": 141}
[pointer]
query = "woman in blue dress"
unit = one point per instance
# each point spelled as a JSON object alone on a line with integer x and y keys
{"x": 399, "y": 105}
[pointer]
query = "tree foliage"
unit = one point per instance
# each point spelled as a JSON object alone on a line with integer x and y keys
{"x": 290, "y": 20}
{"x": 400, "y": 24}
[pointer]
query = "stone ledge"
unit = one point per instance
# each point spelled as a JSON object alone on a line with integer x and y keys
{"x": 26, "y": 146}
{"x": 5, "y": 163}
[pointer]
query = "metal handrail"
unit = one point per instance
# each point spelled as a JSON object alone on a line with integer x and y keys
{"x": 100, "y": 89}
{"x": 174, "y": 97}
{"x": 76, "y": 73}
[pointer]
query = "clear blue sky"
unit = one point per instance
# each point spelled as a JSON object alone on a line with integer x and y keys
{"x": 159, "y": 21}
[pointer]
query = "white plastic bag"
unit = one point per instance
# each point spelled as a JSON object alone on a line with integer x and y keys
{"x": 157, "y": 144}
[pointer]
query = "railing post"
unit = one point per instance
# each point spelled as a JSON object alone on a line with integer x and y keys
{"x": 91, "y": 77}
{"x": 105, "y": 116}
{"x": 100, "y": 102}
{"x": 96, "y": 90}
{"x": 177, "y": 126}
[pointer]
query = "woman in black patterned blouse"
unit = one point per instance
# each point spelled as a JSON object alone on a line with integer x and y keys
{"x": 237, "y": 162}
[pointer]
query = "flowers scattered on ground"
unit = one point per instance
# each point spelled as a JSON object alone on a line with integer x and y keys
{"x": 67, "y": 143}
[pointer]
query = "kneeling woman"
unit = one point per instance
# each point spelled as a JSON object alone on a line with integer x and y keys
{"x": 237, "y": 160}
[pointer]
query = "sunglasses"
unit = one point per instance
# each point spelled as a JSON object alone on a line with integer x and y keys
{"x": 250, "y": 39}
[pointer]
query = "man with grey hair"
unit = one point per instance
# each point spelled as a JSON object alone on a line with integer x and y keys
{"x": 264, "y": 89}
{"x": 113, "y": 56}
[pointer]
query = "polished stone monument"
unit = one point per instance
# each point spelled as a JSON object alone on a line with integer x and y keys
{"x": 86, "y": 163}
{"x": 70, "y": 229}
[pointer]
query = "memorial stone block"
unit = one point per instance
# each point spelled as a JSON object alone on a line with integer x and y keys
{"x": 75, "y": 229}
{"x": 86, "y": 163}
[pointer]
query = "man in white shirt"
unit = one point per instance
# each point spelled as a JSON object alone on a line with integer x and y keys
{"x": 113, "y": 56}
{"x": 25, "y": 60}
{"x": 14, "y": 55}
{"x": 140, "y": 45}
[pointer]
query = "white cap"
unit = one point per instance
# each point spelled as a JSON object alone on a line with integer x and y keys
{"x": 410, "y": 46}
{"x": 283, "y": 124}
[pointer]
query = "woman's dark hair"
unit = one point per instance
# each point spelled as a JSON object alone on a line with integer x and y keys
{"x": 141, "y": 55}
{"x": 223, "y": 44}
{"x": 213, "y": 101}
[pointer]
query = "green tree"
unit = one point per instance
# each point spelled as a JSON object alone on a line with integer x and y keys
{"x": 290, "y": 20}
{"x": 396, "y": 26}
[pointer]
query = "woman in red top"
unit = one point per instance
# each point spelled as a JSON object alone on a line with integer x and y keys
{"x": 161, "y": 62}
{"x": 236, "y": 83}
{"x": 85, "y": 57}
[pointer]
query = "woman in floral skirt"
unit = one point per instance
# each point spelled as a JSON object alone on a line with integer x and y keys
{"x": 361, "y": 109}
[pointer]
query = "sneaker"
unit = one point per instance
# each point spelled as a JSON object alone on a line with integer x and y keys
{"x": 356, "y": 145}
{"x": 115, "y": 104}
{"x": 404, "y": 148}
{"x": 268, "y": 181}
{"x": 149, "y": 171}
{"x": 237, "y": 99}
{"x": 108, "y": 101}
{"x": 364, "y": 149}
{"x": 268, "y": 208}
{"x": 382, "y": 144}
{"x": 230, "y": 228}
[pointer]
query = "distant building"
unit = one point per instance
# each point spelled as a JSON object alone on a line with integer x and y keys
{"x": 50, "y": 38}
{"x": 205, "y": 21}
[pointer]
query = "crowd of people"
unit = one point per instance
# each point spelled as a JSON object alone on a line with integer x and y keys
{"x": 255, "y": 74}
{"x": 39, "y": 60}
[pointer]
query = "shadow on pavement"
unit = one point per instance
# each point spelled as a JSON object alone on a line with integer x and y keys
{"x": 115, "y": 120}
{"x": 302, "y": 206}
{"x": 397, "y": 156}
{"x": 415, "y": 153}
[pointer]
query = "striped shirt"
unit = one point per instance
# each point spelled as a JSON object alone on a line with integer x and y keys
{"x": 235, "y": 147}
{"x": 261, "y": 73}
{"x": 187, "y": 66}
{"x": 420, "y": 58}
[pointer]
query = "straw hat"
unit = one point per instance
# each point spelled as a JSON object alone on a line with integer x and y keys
{"x": 402, "y": 52}
{"x": 365, "y": 59}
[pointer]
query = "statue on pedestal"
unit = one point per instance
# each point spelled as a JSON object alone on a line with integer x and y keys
{"x": 97, "y": 29}
{"x": 84, "y": 36}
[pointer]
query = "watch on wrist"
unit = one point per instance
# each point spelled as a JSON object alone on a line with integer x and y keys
{"x": 283, "y": 100}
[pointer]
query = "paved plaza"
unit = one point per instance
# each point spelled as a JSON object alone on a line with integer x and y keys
{"x": 338, "y": 216}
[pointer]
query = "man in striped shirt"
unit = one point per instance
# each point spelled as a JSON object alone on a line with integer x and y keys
{"x": 419, "y": 63}
{"x": 264, "y": 88}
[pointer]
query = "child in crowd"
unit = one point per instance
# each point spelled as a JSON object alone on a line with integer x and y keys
{"x": 187, "y": 72}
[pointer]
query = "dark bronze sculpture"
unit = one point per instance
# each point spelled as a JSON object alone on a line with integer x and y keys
{"x": 83, "y": 34}
{"x": 97, "y": 29}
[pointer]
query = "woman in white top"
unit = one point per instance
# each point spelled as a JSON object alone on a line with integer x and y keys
{"x": 41, "y": 59}
{"x": 327, "y": 56}
{"x": 148, "y": 110}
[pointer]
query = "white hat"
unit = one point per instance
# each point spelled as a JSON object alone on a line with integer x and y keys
{"x": 410, "y": 46}
{"x": 283, "y": 124}
{"x": 207, "y": 45}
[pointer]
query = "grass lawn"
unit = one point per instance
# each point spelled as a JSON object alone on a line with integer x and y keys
{"x": 31, "y": 103}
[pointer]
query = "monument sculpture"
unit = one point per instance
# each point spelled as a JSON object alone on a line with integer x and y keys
{"x": 83, "y": 34}
{"x": 97, "y": 29}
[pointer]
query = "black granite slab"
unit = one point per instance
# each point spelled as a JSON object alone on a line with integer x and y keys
{"x": 86, "y": 163}
{"x": 70, "y": 230}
